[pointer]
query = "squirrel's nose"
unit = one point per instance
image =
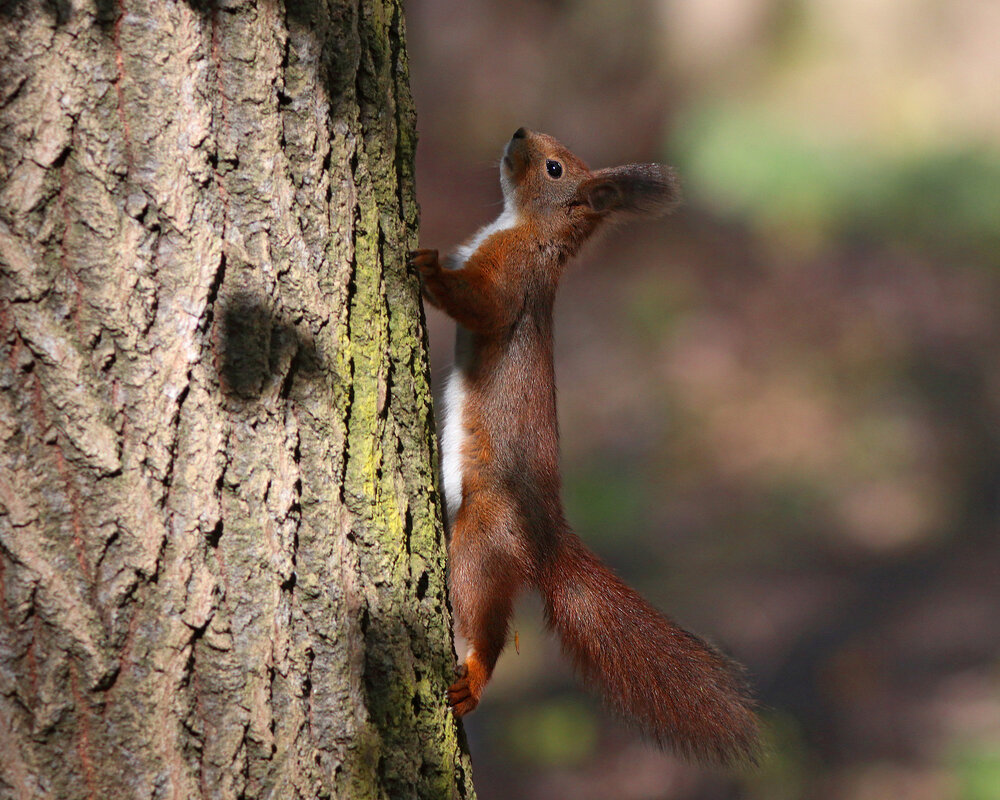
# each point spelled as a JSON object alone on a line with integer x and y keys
{"x": 520, "y": 133}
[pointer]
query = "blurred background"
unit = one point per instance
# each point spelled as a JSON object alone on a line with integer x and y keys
{"x": 780, "y": 408}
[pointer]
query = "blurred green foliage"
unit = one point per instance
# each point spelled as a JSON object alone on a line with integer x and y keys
{"x": 977, "y": 767}
{"x": 784, "y": 769}
{"x": 559, "y": 732}
{"x": 754, "y": 165}
{"x": 609, "y": 505}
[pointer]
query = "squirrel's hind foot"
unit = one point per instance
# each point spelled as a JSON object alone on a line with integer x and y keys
{"x": 464, "y": 693}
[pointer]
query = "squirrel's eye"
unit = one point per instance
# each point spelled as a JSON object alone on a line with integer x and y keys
{"x": 554, "y": 168}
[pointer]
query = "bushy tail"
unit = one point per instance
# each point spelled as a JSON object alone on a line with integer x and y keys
{"x": 680, "y": 690}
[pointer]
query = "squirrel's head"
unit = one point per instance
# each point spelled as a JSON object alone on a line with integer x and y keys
{"x": 544, "y": 180}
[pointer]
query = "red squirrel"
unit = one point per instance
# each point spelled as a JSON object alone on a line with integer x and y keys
{"x": 500, "y": 462}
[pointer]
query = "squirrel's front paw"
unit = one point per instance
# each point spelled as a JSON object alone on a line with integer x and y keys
{"x": 426, "y": 261}
{"x": 429, "y": 268}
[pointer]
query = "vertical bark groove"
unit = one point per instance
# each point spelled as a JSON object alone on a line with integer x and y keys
{"x": 221, "y": 557}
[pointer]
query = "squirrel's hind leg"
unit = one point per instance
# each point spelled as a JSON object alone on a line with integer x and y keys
{"x": 485, "y": 578}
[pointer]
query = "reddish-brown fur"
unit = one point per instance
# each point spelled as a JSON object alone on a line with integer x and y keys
{"x": 509, "y": 532}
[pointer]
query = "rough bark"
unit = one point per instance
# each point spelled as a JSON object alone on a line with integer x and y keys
{"x": 221, "y": 557}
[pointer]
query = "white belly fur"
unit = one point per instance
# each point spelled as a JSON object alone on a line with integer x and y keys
{"x": 452, "y": 441}
{"x": 508, "y": 219}
{"x": 453, "y": 432}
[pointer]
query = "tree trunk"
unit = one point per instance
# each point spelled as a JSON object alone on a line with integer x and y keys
{"x": 221, "y": 555}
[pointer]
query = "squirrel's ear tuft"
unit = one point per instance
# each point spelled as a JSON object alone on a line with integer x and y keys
{"x": 645, "y": 189}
